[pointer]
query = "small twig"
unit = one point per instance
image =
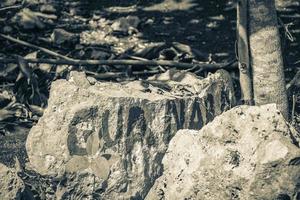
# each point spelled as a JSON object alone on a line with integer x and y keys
{"x": 7, "y": 85}
{"x": 114, "y": 75}
{"x": 293, "y": 81}
{"x": 161, "y": 68}
{"x": 286, "y": 30}
{"x": 135, "y": 57}
{"x": 297, "y": 62}
{"x": 47, "y": 51}
{"x": 11, "y": 7}
{"x": 293, "y": 106}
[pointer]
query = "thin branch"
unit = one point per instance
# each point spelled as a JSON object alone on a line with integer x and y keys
{"x": 64, "y": 60}
{"x": 43, "y": 15}
{"x": 114, "y": 75}
{"x": 47, "y": 51}
{"x": 294, "y": 81}
{"x": 11, "y": 7}
{"x": 205, "y": 66}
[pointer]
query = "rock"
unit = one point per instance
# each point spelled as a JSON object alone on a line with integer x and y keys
{"x": 61, "y": 36}
{"x": 127, "y": 24}
{"x": 79, "y": 79}
{"x": 28, "y": 19}
{"x": 245, "y": 153}
{"x": 78, "y": 185}
{"x": 119, "y": 132}
{"x": 11, "y": 185}
{"x": 48, "y": 8}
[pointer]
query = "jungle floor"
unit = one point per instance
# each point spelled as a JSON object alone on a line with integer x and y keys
{"x": 202, "y": 31}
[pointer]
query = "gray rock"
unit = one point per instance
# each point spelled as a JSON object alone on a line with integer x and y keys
{"x": 11, "y": 185}
{"x": 47, "y": 8}
{"x": 119, "y": 132}
{"x": 126, "y": 24}
{"x": 245, "y": 153}
{"x": 63, "y": 37}
{"x": 27, "y": 19}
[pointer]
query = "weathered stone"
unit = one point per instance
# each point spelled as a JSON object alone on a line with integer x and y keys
{"x": 61, "y": 36}
{"x": 120, "y": 132}
{"x": 80, "y": 185}
{"x": 245, "y": 153}
{"x": 28, "y": 19}
{"x": 126, "y": 24}
{"x": 47, "y": 8}
{"x": 77, "y": 163}
{"x": 11, "y": 185}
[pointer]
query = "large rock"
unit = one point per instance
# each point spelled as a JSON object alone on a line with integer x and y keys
{"x": 246, "y": 153}
{"x": 11, "y": 185}
{"x": 118, "y": 133}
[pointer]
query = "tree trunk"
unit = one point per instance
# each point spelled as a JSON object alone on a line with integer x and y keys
{"x": 266, "y": 55}
{"x": 243, "y": 52}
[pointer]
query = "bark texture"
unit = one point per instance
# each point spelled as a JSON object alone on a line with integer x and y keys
{"x": 266, "y": 56}
{"x": 243, "y": 52}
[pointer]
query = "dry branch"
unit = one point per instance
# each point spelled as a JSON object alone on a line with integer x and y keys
{"x": 294, "y": 82}
{"x": 205, "y": 66}
{"x": 64, "y": 60}
{"x": 47, "y": 51}
{"x": 114, "y": 75}
{"x": 11, "y": 7}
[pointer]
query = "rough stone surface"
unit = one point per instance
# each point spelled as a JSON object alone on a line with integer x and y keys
{"x": 119, "y": 132}
{"x": 245, "y": 153}
{"x": 11, "y": 185}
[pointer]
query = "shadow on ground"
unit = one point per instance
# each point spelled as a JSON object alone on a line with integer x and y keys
{"x": 206, "y": 25}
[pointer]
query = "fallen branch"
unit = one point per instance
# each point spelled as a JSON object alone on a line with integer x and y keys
{"x": 11, "y": 7}
{"x": 47, "y": 51}
{"x": 205, "y": 66}
{"x": 64, "y": 60}
{"x": 114, "y": 75}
